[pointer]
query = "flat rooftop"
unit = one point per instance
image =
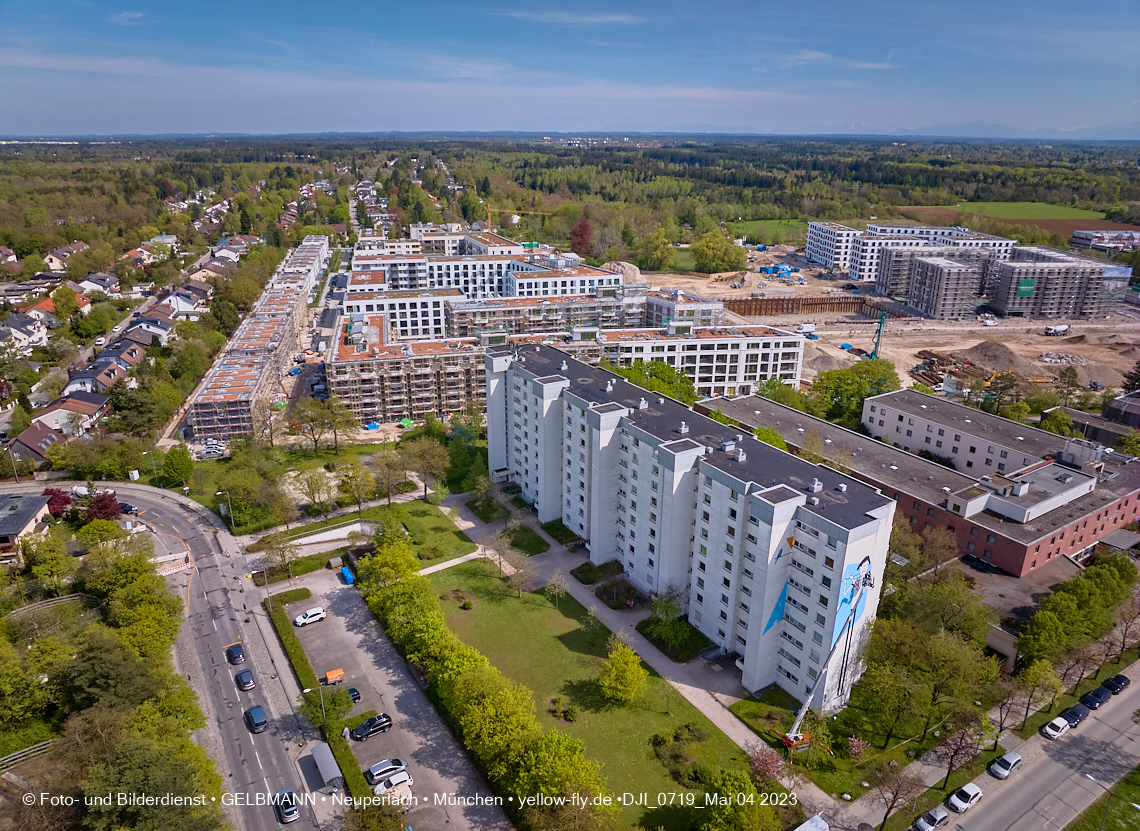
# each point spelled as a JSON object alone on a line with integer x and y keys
{"x": 907, "y": 473}
{"x": 764, "y": 465}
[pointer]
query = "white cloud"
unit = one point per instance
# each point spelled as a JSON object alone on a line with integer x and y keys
{"x": 570, "y": 19}
{"x": 126, "y": 18}
{"x": 810, "y": 55}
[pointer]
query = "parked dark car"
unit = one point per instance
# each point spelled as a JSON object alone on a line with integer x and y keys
{"x": 1075, "y": 714}
{"x": 1095, "y": 698}
{"x": 287, "y": 806}
{"x": 235, "y": 654}
{"x": 256, "y": 719}
{"x": 245, "y": 680}
{"x": 354, "y": 694}
{"x": 377, "y": 724}
{"x": 1117, "y": 684}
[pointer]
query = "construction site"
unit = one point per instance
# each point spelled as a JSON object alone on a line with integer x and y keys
{"x": 949, "y": 353}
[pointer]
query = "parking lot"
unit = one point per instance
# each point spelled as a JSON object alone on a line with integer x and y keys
{"x": 351, "y": 639}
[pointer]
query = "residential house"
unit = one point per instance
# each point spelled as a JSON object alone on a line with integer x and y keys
{"x": 202, "y": 290}
{"x": 124, "y": 352}
{"x": 96, "y": 377}
{"x": 106, "y": 283}
{"x": 7, "y": 255}
{"x": 20, "y": 514}
{"x": 139, "y": 257}
{"x": 154, "y": 325}
{"x": 25, "y": 332}
{"x": 57, "y": 259}
{"x": 34, "y": 442}
{"x": 139, "y": 290}
{"x": 169, "y": 240}
{"x": 183, "y": 306}
{"x": 44, "y": 310}
{"x": 227, "y": 254}
{"x": 138, "y": 337}
{"x": 73, "y": 415}
{"x": 212, "y": 270}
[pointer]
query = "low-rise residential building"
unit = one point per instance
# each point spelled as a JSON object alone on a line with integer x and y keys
{"x": 25, "y": 332}
{"x": 97, "y": 377}
{"x": 20, "y": 515}
{"x": 774, "y": 556}
{"x": 1017, "y": 497}
{"x": 33, "y": 443}
{"x": 74, "y": 414}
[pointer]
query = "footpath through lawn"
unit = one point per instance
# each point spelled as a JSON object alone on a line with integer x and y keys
{"x": 550, "y": 651}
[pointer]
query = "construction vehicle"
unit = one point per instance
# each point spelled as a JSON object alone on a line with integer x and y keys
{"x": 1096, "y": 386}
{"x": 1054, "y": 331}
{"x": 879, "y": 336}
{"x": 859, "y": 583}
{"x": 997, "y": 375}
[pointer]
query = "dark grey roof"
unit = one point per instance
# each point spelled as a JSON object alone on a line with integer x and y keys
{"x": 18, "y": 510}
{"x": 906, "y": 473}
{"x": 763, "y": 465}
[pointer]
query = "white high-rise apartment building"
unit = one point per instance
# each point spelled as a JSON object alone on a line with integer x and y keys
{"x": 766, "y": 547}
{"x": 830, "y": 244}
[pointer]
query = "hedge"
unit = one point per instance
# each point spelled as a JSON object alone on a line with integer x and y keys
{"x": 289, "y": 642}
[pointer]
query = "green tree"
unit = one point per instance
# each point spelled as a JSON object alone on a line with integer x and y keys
{"x": 1130, "y": 444}
{"x": 426, "y": 456}
{"x": 880, "y": 376}
{"x": 20, "y": 421}
{"x": 714, "y": 252}
{"x": 355, "y": 480}
{"x": 388, "y": 471}
{"x": 1016, "y": 412}
{"x": 105, "y": 671}
{"x": 657, "y": 251}
{"x": 20, "y": 696}
{"x": 99, "y": 531}
{"x": 1068, "y": 383}
{"x": 623, "y": 677}
{"x": 313, "y": 416}
{"x": 770, "y": 435}
{"x": 496, "y": 718}
{"x": 65, "y": 304}
{"x": 178, "y": 466}
{"x": 665, "y": 622}
{"x": 657, "y": 376}
{"x": 280, "y": 551}
{"x": 897, "y": 694}
{"x": 1039, "y": 683}
{"x": 337, "y": 705}
{"x": 735, "y": 806}
{"x": 317, "y": 486}
{"x": 339, "y": 419}
{"x": 554, "y": 763}
{"x": 1132, "y": 379}
{"x": 1055, "y": 421}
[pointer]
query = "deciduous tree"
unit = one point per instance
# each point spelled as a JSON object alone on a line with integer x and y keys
{"x": 356, "y": 481}
{"x": 894, "y": 787}
{"x": 104, "y": 506}
{"x": 623, "y": 677}
{"x": 317, "y": 486}
{"x": 178, "y": 466}
{"x": 388, "y": 471}
{"x": 426, "y": 456}
{"x": 557, "y": 586}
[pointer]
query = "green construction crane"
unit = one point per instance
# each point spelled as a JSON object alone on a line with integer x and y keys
{"x": 879, "y": 336}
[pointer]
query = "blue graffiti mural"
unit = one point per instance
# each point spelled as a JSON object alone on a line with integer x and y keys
{"x": 778, "y": 609}
{"x": 852, "y": 577}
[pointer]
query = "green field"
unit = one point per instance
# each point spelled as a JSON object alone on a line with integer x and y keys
{"x": 1027, "y": 210}
{"x": 1121, "y": 813}
{"x": 546, "y": 648}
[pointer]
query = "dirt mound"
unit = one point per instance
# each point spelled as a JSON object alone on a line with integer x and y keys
{"x": 997, "y": 357}
{"x": 1131, "y": 352}
{"x": 628, "y": 271}
{"x": 1075, "y": 339}
{"x": 823, "y": 362}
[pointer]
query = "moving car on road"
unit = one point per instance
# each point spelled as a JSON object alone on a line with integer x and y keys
{"x": 235, "y": 654}
{"x": 256, "y": 719}
{"x": 964, "y": 798}
{"x": 287, "y": 806}
{"x": 311, "y": 616}
{"x": 128, "y": 509}
{"x": 377, "y": 724}
{"x": 245, "y": 680}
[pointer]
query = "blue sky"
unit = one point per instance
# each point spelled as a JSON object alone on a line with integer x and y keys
{"x": 72, "y": 67}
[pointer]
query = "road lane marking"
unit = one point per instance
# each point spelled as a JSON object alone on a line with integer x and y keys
{"x": 215, "y": 624}
{"x": 259, "y": 763}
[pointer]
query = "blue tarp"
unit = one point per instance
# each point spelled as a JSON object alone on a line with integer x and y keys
{"x": 346, "y": 573}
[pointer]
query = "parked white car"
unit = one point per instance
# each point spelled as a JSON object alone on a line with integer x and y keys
{"x": 311, "y": 616}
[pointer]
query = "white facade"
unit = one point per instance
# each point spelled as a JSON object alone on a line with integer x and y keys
{"x": 765, "y": 546}
{"x": 830, "y": 244}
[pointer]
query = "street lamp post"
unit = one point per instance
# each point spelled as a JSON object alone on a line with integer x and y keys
{"x": 1107, "y": 804}
{"x": 324, "y": 718}
{"x": 230, "y": 504}
{"x": 152, "y": 465}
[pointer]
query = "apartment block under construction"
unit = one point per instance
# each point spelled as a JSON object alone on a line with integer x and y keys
{"x": 1043, "y": 283}
{"x": 386, "y": 381}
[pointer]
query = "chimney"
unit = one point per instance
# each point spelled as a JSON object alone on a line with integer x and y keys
{"x": 609, "y": 386}
{"x": 563, "y": 367}
{"x": 643, "y": 404}
{"x": 684, "y": 428}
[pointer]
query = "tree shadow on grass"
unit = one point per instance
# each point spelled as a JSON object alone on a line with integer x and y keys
{"x": 587, "y": 695}
{"x": 673, "y": 817}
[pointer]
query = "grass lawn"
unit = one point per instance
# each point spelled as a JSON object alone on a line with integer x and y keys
{"x": 559, "y": 532}
{"x": 429, "y": 528}
{"x": 683, "y": 260}
{"x": 455, "y": 483}
{"x": 546, "y": 649}
{"x": 684, "y": 653}
{"x": 1120, "y": 813}
{"x": 528, "y": 541}
{"x": 302, "y": 565}
{"x": 840, "y": 774}
{"x": 1027, "y": 210}
{"x": 491, "y": 511}
{"x": 790, "y": 230}
{"x": 588, "y": 574}
{"x": 1044, "y": 716}
{"x": 520, "y": 503}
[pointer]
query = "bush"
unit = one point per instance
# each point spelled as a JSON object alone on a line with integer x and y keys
{"x": 289, "y": 642}
{"x": 559, "y": 532}
{"x": 571, "y": 713}
{"x": 466, "y": 605}
{"x": 587, "y": 574}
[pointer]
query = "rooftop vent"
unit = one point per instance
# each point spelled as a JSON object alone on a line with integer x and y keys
{"x": 538, "y": 349}
{"x": 739, "y": 437}
{"x": 842, "y": 487}
{"x": 740, "y": 455}
{"x": 727, "y": 445}
{"x": 814, "y": 500}
{"x": 946, "y": 490}
{"x": 609, "y": 386}
{"x": 1065, "y": 478}
{"x": 1021, "y": 438}
{"x": 816, "y": 486}
{"x": 968, "y": 421}
{"x": 684, "y": 428}
{"x": 563, "y": 366}
{"x": 643, "y": 404}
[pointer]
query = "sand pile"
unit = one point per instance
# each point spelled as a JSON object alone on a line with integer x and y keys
{"x": 997, "y": 357}
{"x": 823, "y": 361}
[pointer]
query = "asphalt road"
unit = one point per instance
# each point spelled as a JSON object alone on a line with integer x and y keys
{"x": 1051, "y": 789}
{"x": 253, "y": 765}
